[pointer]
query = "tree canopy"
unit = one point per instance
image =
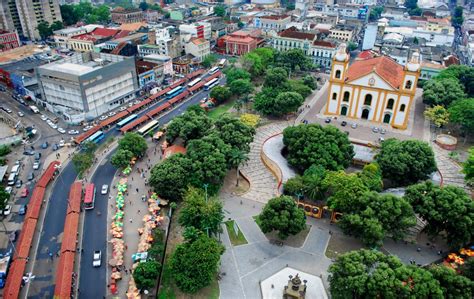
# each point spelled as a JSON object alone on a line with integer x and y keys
{"x": 134, "y": 143}
{"x": 293, "y": 59}
{"x": 446, "y": 209}
{"x": 270, "y": 102}
{"x": 221, "y": 93}
{"x": 438, "y": 115}
{"x": 314, "y": 144}
{"x": 195, "y": 264}
{"x": 235, "y": 73}
{"x": 463, "y": 73}
{"x": 458, "y": 17}
{"x": 281, "y": 214}
{"x": 345, "y": 190}
{"x": 462, "y": 113}
{"x": 145, "y": 274}
{"x": 240, "y": 87}
{"x": 406, "y": 162}
{"x": 4, "y": 197}
{"x": 209, "y": 60}
{"x": 220, "y": 10}
{"x": 442, "y": 92}
{"x": 275, "y": 77}
{"x": 453, "y": 285}
{"x": 192, "y": 124}
{"x": 121, "y": 158}
{"x": 468, "y": 166}
{"x": 86, "y": 12}
{"x": 201, "y": 213}
{"x": 234, "y": 132}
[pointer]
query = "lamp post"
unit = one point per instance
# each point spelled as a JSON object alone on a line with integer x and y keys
{"x": 299, "y": 195}
{"x": 205, "y": 188}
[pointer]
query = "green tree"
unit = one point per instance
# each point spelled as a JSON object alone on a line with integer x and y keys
{"x": 269, "y": 102}
{"x": 309, "y": 81}
{"x": 236, "y": 158}
{"x": 468, "y": 166}
{"x": 235, "y": 73}
{"x": 240, "y": 24}
{"x": 293, "y": 59}
{"x": 192, "y": 124}
{"x": 170, "y": 178}
{"x": 253, "y": 63}
{"x": 313, "y": 144}
{"x": 220, "y": 10}
{"x": 442, "y": 92}
{"x": 121, "y": 158}
{"x": 220, "y": 94}
{"x": 44, "y": 30}
{"x": 4, "y": 150}
{"x": 345, "y": 190}
{"x": 205, "y": 214}
{"x": 453, "y": 285}
{"x": 299, "y": 87}
{"x": 134, "y": 143}
{"x": 371, "y": 176}
{"x": 143, "y": 5}
{"x": 4, "y": 197}
{"x": 82, "y": 162}
{"x": 275, "y": 77}
{"x": 406, "y": 162}
{"x": 462, "y": 73}
{"x": 102, "y": 13}
{"x": 447, "y": 209}
{"x": 418, "y": 283}
{"x": 267, "y": 56}
{"x": 234, "y": 132}
{"x": 57, "y": 25}
{"x": 310, "y": 184}
{"x": 240, "y": 87}
{"x": 467, "y": 270}
{"x": 351, "y": 46}
{"x": 375, "y": 13}
{"x": 68, "y": 14}
{"x": 438, "y": 115}
{"x": 89, "y": 147}
{"x": 462, "y": 113}
{"x": 203, "y": 254}
{"x": 209, "y": 60}
{"x": 458, "y": 17}
{"x": 146, "y": 273}
{"x": 91, "y": 19}
{"x": 281, "y": 214}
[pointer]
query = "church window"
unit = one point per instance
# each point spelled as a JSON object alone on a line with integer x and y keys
{"x": 402, "y": 108}
{"x": 390, "y": 103}
{"x": 338, "y": 74}
{"x": 408, "y": 84}
{"x": 346, "y": 96}
{"x": 368, "y": 100}
{"x": 334, "y": 96}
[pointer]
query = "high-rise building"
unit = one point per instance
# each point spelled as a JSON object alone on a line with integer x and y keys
{"x": 25, "y": 15}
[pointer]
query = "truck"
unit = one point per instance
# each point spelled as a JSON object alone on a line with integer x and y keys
{"x": 4, "y": 264}
{"x": 34, "y": 109}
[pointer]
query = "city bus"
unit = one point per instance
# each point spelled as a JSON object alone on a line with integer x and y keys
{"x": 211, "y": 84}
{"x": 222, "y": 63}
{"x": 149, "y": 127}
{"x": 213, "y": 70}
{"x": 194, "y": 82}
{"x": 174, "y": 92}
{"x": 96, "y": 137}
{"x": 89, "y": 197}
{"x": 125, "y": 121}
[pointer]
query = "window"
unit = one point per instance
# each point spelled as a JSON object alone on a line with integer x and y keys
{"x": 408, "y": 84}
{"x": 402, "y": 108}
{"x": 390, "y": 103}
{"x": 338, "y": 74}
{"x": 368, "y": 100}
{"x": 346, "y": 96}
{"x": 334, "y": 96}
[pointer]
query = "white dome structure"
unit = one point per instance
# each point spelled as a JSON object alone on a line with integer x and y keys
{"x": 414, "y": 64}
{"x": 341, "y": 54}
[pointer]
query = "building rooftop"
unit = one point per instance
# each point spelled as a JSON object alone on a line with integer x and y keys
{"x": 293, "y": 33}
{"x": 123, "y": 10}
{"x": 383, "y": 66}
{"x": 275, "y": 17}
{"x": 100, "y": 33}
{"x": 323, "y": 43}
{"x": 133, "y": 26}
{"x": 198, "y": 41}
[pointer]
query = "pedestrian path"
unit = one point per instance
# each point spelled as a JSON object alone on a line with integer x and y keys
{"x": 263, "y": 184}
{"x": 449, "y": 169}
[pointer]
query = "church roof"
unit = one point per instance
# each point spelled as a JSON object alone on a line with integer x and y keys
{"x": 383, "y": 66}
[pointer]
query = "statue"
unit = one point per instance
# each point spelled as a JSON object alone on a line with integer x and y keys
{"x": 295, "y": 289}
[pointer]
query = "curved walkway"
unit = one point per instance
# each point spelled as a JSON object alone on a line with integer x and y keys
{"x": 263, "y": 184}
{"x": 272, "y": 149}
{"x": 449, "y": 169}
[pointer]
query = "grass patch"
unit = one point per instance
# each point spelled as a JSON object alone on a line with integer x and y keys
{"x": 216, "y": 112}
{"x": 166, "y": 290}
{"x": 235, "y": 239}
{"x": 214, "y": 291}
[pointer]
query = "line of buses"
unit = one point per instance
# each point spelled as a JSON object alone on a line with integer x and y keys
{"x": 172, "y": 95}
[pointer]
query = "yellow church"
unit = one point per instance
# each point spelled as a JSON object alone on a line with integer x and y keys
{"x": 375, "y": 88}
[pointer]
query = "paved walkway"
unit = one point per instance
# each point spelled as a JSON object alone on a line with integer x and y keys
{"x": 450, "y": 170}
{"x": 263, "y": 184}
{"x": 272, "y": 149}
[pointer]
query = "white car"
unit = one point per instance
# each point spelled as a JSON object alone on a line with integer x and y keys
{"x": 85, "y": 129}
{"x": 103, "y": 117}
{"x": 122, "y": 108}
{"x": 36, "y": 165}
{"x": 96, "y": 261}
{"x": 9, "y": 189}
{"x": 54, "y": 126}
{"x": 7, "y": 210}
{"x": 136, "y": 102}
{"x": 112, "y": 113}
{"x": 61, "y": 143}
{"x": 105, "y": 189}
{"x": 43, "y": 117}
{"x": 21, "y": 114}
{"x": 61, "y": 130}
{"x": 73, "y": 132}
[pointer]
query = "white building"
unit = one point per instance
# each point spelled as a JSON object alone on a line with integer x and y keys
{"x": 199, "y": 30}
{"x": 274, "y": 23}
{"x": 198, "y": 47}
{"x": 86, "y": 85}
{"x": 165, "y": 43}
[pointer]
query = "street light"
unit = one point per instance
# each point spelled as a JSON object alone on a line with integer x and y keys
{"x": 299, "y": 195}
{"x": 205, "y": 188}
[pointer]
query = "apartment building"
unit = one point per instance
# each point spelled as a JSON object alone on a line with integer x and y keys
{"x": 8, "y": 40}
{"x": 199, "y": 30}
{"x": 198, "y": 47}
{"x": 341, "y": 33}
{"x": 275, "y": 23}
{"x": 122, "y": 16}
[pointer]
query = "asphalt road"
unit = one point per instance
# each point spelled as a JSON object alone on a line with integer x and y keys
{"x": 93, "y": 281}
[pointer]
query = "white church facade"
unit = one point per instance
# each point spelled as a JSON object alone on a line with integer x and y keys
{"x": 376, "y": 89}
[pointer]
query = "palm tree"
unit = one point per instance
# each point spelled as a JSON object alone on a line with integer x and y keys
{"x": 237, "y": 157}
{"x": 238, "y": 106}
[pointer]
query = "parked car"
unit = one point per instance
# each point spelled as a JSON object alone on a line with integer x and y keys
{"x": 9, "y": 189}
{"x": 7, "y": 110}
{"x": 105, "y": 189}
{"x": 383, "y": 131}
{"x": 45, "y": 145}
{"x": 2, "y": 88}
{"x": 123, "y": 108}
{"x": 19, "y": 183}
{"x": 36, "y": 165}
{"x": 23, "y": 209}
{"x": 61, "y": 130}
{"x": 354, "y": 126}
{"x": 54, "y": 126}
{"x": 29, "y": 152}
{"x": 112, "y": 113}
{"x": 327, "y": 120}
{"x": 73, "y": 132}
{"x": 375, "y": 129}
{"x": 24, "y": 192}
{"x": 96, "y": 259}
{"x": 31, "y": 176}
{"x": 344, "y": 123}
{"x": 103, "y": 117}
{"x": 61, "y": 143}
{"x": 7, "y": 210}
{"x": 37, "y": 156}
{"x": 85, "y": 129}
{"x": 21, "y": 114}
{"x": 43, "y": 117}
{"x": 55, "y": 147}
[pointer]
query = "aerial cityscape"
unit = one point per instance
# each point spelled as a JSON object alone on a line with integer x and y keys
{"x": 295, "y": 149}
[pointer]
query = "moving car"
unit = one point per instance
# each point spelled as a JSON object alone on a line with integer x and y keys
{"x": 18, "y": 184}
{"x": 112, "y": 113}
{"x": 43, "y": 117}
{"x": 31, "y": 176}
{"x": 36, "y": 165}
{"x": 7, "y": 210}
{"x": 103, "y": 117}
{"x": 21, "y": 114}
{"x": 37, "y": 156}
{"x": 105, "y": 189}
{"x": 29, "y": 153}
{"x": 22, "y": 210}
{"x": 85, "y": 129}
{"x": 61, "y": 130}
{"x": 96, "y": 260}
{"x": 45, "y": 145}
{"x": 73, "y": 132}
{"x": 7, "y": 110}
{"x": 9, "y": 189}
{"x": 122, "y": 108}
{"x": 24, "y": 192}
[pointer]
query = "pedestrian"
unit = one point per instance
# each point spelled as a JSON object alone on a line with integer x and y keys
{"x": 131, "y": 220}
{"x": 136, "y": 189}
{"x": 51, "y": 255}
{"x": 126, "y": 271}
{"x": 418, "y": 249}
{"x": 138, "y": 212}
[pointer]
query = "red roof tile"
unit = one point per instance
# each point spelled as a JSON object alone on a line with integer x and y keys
{"x": 293, "y": 33}
{"x": 383, "y": 66}
{"x": 324, "y": 43}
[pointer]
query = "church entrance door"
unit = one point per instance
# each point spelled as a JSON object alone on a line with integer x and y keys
{"x": 365, "y": 114}
{"x": 344, "y": 110}
{"x": 386, "y": 118}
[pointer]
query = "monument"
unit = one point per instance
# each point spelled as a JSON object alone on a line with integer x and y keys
{"x": 295, "y": 289}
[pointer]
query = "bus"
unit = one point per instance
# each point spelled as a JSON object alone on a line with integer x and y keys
{"x": 89, "y": 197}
{"x": 222, "y": 63}
{"x": 194, "y": 82}
{"x": 152, "y": 125}
{"x": 96, "y": 137}
{"x": 213, "y": 70}
{"x": 174, "y": 92}
{"x": 125, "y": 121}
{"x": 211, "y": 84}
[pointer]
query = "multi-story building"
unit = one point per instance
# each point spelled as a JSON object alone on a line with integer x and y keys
{"x": 275, "y": 23}
{"x": 9, "y": 40}
{"x": 341, "y": 33}
{"x": 61, "y": 37}
{"x": 322, "y": 53}
{"x": 167, "y": 45}
{"x": 86, "y": 42}
{"x": 239, "y": 43}
{"x": 25, "y": 16}
{"x": 86, "y": 85}
{"x": 121, "y": 15}
{"x": 151, "y": 16}
{"x": 375, "y": 89}
{"x": 198, "y": 47}
{"x": 199, "y": 30}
